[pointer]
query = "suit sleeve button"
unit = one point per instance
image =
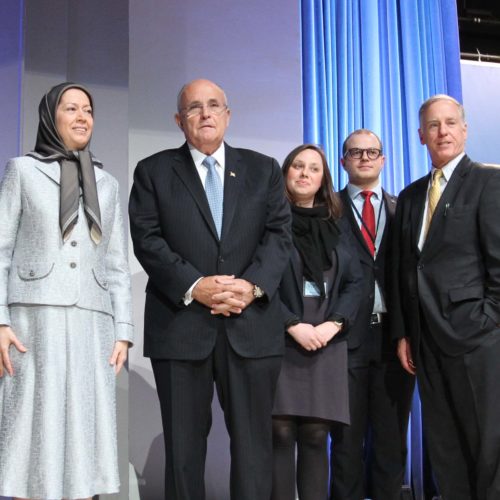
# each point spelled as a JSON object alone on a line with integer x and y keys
{"x": 32, "y": 273}
{"x": 72, "y": 265}
{"x": 74, "y": 243}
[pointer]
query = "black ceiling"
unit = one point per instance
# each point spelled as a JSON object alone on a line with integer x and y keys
{"x": 479, "y": 28}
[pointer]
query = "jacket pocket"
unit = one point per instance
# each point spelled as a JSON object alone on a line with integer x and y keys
{"x": 466, "y": 293}
{"x": 100, "y": 277}
{"x": 32, "y": 271}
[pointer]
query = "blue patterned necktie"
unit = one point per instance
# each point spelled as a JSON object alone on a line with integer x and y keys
{"x": 213, "y": 188}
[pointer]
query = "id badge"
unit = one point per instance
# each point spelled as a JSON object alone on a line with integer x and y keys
{"x": 312, "y": 290}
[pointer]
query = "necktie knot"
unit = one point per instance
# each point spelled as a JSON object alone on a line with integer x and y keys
{"x": 209, "y": 162}
{"x": 436, "y": 176}
{"x": 367, "y": 194}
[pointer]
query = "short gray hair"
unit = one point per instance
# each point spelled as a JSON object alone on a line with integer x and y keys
{"x": 439, "y": 97}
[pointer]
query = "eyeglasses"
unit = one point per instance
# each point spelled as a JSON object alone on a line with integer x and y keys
{"x": 357, "y": 153}
{"x": 214, "y": 108}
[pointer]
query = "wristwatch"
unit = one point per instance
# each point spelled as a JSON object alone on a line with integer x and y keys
{"x": 258, "y": 293}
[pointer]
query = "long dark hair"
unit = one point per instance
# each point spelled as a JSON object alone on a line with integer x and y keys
{"x": 326, "y": 194}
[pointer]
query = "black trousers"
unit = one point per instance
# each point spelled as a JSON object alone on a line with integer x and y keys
{"x": 245, "y": 388}
{"x": 461, "y": 416}
{"x": 380, "y": 394}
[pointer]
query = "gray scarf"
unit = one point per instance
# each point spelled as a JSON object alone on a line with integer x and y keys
{"x": 77, "y": 167}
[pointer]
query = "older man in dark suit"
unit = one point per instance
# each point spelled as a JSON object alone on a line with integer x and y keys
{"x": 211, "y": 228}
{"x": 447, "y": 280}
{"x": 380, "y": 390}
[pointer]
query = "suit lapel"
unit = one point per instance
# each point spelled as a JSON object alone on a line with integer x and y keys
{"x": 185, "y": 168}
{"x": 53, "y": 171}
{"x": 298, "y": 270}
{"x": 234, "y": 179}
{"x": 390, "y": 208}
{"x": 390, "y": 204}
{"x": 417, "y": 207}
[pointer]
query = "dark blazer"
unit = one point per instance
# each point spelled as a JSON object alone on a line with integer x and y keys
{"x": 176, "y": 242}
{"x": 345, "y": 297}
{"x": 455, "y": 279}
{"x": 373, "y": 269}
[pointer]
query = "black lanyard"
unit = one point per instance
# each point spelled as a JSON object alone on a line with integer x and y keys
{"x": 363, "y": 223}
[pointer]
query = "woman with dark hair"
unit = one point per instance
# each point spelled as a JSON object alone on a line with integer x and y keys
{"x": 65, "y": 310}
{"x": 320, "y": 294}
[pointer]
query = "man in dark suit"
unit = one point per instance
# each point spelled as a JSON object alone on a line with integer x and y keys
{"x": 211, "y": 227}
{"x": 380, "y": 390}
{"x": 447, "y": 285}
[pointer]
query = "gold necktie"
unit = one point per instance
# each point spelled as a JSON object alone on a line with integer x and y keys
{"x": 434, "y": 195}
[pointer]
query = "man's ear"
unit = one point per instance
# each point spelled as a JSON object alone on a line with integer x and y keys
{"x": 178, "y": 120}
{"x": 421, "y": 136}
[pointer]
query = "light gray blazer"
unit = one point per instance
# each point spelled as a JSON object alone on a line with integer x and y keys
{"x": 36, "y": 267}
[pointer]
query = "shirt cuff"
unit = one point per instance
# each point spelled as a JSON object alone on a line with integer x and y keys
{"x": 188, "y": 296}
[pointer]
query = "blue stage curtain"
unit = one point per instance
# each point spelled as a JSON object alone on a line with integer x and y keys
{"x": 371, "y": 64}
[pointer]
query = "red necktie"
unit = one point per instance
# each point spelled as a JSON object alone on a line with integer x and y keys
{"x": 368, "y": 225}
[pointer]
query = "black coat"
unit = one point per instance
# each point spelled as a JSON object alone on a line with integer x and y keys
{"x": 176, "y": 242}
{"x": 373, "y": 269}
{"x": 455, "y": 279}
{"x": 345, "y": 298}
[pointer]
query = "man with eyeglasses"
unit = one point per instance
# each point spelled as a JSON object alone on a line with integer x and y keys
{"x": 380, "y": 390}
{"x": 211, "y": 227}
{"x": 447, "y": 312}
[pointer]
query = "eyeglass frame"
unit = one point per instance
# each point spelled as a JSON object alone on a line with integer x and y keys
{"x": 196, "y": 109}
{"x": 363, "y": 150}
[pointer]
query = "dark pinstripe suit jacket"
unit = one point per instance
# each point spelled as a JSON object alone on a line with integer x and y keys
{"x": 176, "y": 242}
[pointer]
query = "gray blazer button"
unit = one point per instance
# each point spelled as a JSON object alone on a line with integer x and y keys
{"x": 32, "y": 273}
{"x": 74, "y": 243}
{"x": 72, "y": 265}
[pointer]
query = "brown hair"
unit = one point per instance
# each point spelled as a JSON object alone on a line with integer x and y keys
{"x": 360, "y": 131}
{"x": 326, "y": 194}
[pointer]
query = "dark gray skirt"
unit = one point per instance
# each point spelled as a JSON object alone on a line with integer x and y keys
{"x": 314, "y": 384}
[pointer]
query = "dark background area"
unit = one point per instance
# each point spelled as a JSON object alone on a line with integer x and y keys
{"x": 479, "y": 29}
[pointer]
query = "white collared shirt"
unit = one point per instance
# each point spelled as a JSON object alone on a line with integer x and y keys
{"x": 198, "y": 157}
{"x": 447, "y": 170}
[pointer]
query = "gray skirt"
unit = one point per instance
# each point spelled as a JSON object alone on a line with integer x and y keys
{"x": 57, "y": 413}
{"x": 314, "y": 384}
